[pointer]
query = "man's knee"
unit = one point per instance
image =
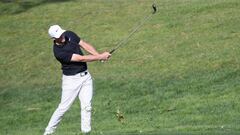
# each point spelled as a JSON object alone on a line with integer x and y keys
{"x": 87, "y": 108}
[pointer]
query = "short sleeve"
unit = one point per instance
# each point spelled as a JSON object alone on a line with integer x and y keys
{"x": 74, "y": 37}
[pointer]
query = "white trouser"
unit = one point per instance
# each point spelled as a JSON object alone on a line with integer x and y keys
{"x": 73, "y": 86}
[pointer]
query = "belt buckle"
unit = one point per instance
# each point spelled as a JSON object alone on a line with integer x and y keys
{"x": 83, "y": 73}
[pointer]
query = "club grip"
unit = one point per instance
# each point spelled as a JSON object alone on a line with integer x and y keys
{"x": 113, "y": 50}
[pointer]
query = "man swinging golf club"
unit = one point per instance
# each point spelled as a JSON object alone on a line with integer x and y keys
{"x": 76, "y": 80}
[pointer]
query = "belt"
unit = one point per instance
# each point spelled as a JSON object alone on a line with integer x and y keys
{"x": 83, "y": 73}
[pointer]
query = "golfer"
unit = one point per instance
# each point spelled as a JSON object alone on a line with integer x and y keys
{"x": 76, "y": 80}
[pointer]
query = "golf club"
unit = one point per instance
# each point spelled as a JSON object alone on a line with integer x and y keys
{"x": 124, "y": 40}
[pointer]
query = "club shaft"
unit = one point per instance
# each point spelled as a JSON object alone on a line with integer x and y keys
{"x": 124, "y": 41}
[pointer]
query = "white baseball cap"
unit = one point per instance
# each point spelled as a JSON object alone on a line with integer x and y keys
{"x": 55, "y": 31}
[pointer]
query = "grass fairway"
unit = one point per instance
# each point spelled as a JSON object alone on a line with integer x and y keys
{"x": 178, "y": 75}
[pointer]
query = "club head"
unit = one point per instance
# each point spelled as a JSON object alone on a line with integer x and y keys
{"x": 154, "y": 8}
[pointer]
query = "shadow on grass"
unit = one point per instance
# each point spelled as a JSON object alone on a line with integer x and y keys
{"x": 171, "y": 133}
{"x": 19, "y": 6}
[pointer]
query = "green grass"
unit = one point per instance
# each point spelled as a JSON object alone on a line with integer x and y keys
{"x": 178, "y": 75}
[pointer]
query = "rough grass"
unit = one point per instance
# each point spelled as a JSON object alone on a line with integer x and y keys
{"x": 178, "y": 75}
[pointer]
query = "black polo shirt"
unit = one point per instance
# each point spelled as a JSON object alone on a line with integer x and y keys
{"x": 64, "y": 52}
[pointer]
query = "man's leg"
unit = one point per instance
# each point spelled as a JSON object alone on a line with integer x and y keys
{"x": 70, "y": 90}
{"x": 85, "y": 96}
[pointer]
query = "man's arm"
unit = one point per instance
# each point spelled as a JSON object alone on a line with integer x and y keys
{"x": 89, "y": 58}
{"x": 88, "y": 47}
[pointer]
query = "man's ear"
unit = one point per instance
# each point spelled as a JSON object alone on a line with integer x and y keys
{"x": 67, "y": 39}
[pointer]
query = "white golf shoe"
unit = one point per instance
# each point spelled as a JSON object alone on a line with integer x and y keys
{"x": 48, "y": 132}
